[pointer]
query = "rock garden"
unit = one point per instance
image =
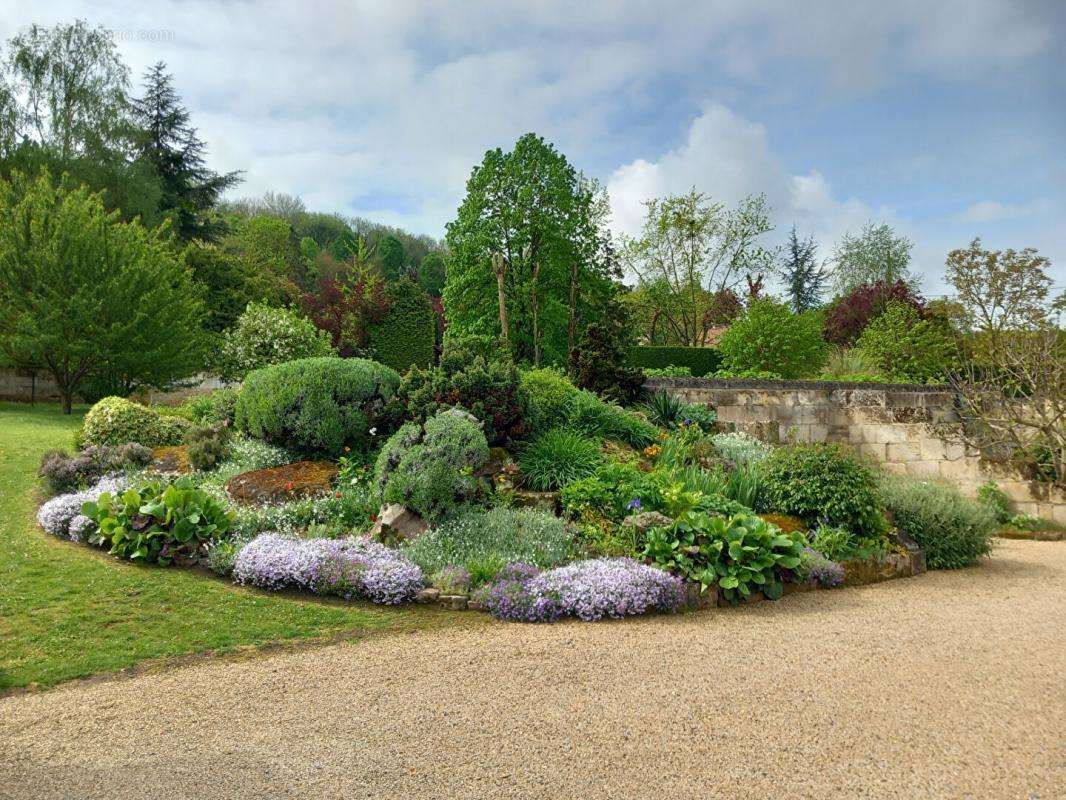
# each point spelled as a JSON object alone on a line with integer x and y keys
{"x": 483, "y": 486}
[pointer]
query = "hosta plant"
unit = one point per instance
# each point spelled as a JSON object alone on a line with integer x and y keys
{"x": 738, "y": 554}
{"x": 158, "y": 523}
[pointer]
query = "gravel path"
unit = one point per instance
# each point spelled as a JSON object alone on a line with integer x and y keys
{"x": 948, "y": 685}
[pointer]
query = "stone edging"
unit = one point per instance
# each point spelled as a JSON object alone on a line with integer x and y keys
{"x": 755, "y": 383}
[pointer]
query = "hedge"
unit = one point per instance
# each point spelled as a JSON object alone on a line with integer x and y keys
{"x": 701, "y": 360}
{"x": 406, "y": 337}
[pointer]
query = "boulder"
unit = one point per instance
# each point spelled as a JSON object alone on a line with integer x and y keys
{"x": 284, "y": 483}
{"x": 398, "y": 523}
{"x": 646, "y": 520}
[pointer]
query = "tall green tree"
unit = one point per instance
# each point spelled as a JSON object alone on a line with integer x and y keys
{"x": 86, "y": 294}
{"x": 164, "y": 138}
{"x": 689, "y": 249}
{"x": 876, "y": 254}
{"x": 804, "y": 278}
{"x": 528, "y": 212}
{"x": 392, "y": 257}
{"x": 431, "y": 273}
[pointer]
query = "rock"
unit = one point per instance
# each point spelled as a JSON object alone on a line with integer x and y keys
{"x": 427, "y": 596}
{"x": 646, "y": 520}
{"x": 549, "y": 501}
{"x": 398, "y": 523}
{"x": 279, "y": 484}
{"x": 456, "y": 602}
{"x": 500, "y": 462}
{"x": 474, "y": 605}
{"x": 696, "y": 599}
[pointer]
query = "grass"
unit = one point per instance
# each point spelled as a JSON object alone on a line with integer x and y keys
{"x": 69, "y": 611}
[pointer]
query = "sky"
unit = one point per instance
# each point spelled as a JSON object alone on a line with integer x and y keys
{"x": 944, "y": 118}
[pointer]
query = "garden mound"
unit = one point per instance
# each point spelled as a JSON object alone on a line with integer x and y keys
{"x": 287, "y": 482}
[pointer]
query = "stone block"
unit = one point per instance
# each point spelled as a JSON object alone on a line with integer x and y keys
{"x": 886, "y": 434}
{"x": 872, "y": 450}
{"x": 922, "y": 469}
{"x": 903, "y": 451}
{"x": 897, "y": 468}
{"x": 962, "y": 469}
{"x": 818, "y": 432}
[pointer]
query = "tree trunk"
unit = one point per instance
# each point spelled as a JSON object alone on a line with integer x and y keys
{"x": 68, "y": 400}
{"x": 571, "y": 330}
{"x": 499, "y": 265}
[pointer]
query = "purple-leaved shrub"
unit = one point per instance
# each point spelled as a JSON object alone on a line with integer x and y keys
{"x": 350, "y": 568}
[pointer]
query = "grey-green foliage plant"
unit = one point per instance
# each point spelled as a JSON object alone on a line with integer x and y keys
{"x": 318, "y": 405}
{"x": 497, "y": 537}
{"x": 557, "y": 458}
{"x": 953, "y": 531}
{"x": 432, "y": 468}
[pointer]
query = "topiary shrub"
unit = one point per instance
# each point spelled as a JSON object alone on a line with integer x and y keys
{"x": 906, "y": 347}
{"x": 265, "y": 336}
{"x": 487, "y": 387}
{"x": 557, "y": 458}
{"x": 430, "y": 468}
{"x": 405, "y": 336}
{"x": 823, "y": 482}
{"x": 700, "y": 361}
{"x": 550, "y": 393}
{"x": 318, "y": 405}
{"x": 955, "y": 532}
{"x": 115, "y": 420}
{"x": 847, "y": 316}
{"x": 770, "y": 338}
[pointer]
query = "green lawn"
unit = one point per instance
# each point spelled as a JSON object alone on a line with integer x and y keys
{"x": 68, "y": 610}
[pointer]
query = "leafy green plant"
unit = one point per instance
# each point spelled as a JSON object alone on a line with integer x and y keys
{"x": 769, "y": 337}
{"x": 823, "y": 482}
{"x": 115, "y": 420}
{"x": 612, "y": 493}
{"x": 588, "y": 414}
{"x": 739, "y": 554}
{"x": 318, "y": 405}
{"x": 557, "y": 458}
{"x": 550, "y": 393}
{"x": 158, "y": 523}
{"x": 215, "y": 408}
{"x": 430, "y": 468}
{"x": 668, "y": 372}
{"x": 663, "y": 409}
{"x": 955, "y": 532}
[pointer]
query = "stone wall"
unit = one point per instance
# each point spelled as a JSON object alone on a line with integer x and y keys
{"x": 25, "y": 386}
{"x": 891, "y": 423}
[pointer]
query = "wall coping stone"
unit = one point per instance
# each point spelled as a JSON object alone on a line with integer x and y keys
{"x": 688, "y": 382}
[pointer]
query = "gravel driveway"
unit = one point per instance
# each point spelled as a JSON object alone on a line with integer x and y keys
{"x": 948, "y": 685}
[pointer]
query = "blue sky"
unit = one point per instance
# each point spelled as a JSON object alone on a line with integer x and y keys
{"x": 945, "y": 119}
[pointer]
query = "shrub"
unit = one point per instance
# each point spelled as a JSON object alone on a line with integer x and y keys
{"x": 208, "y": 447}
{"x": 350, "y": 568}
{"x": 489, "y": 388}
{"x": 613, "y": 492}
{"x": 848, "y": 316}
{"x": 215, "y": 408}
{"x": 851, "y": 365}
{"x": 317, "y": 405}
{"x": 158, "y": 523}
{"x": 699, "y": 360}
{"x": 769, "y": 337}
{"x": 955, "y": 532}
{"x": 739, "y": 554}
{"x": 591, "y": 416}
{"x": 598, "y": 361}
{"x": 908, "y": 348}
{"x": 997, "y": 501}
{"x": 556, "y": 458}
{"x": 740, "y": 448}
{"x": 496, "y": 536}
{"x": 430, "y": 468}
{"x": 406, "y": 335}
{"x": 62, "y": 515}
{"x": 823, "y": 482}
{"x": 668, "y": 372}
{"x": 549, "y": 393}
{"x": 65, "y": 473}
{"x": 264, "y": 336}
{"x": 115, "y": 420}
{"x": 589, "y": 590}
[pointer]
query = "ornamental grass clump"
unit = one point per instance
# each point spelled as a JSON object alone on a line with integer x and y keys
{"x": 349, "y": 568}
{"x": 557, "y": 458}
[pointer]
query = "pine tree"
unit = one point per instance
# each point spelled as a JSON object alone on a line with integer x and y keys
{"x": 804, "y": 278}
{"x": 165, "y": 139}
